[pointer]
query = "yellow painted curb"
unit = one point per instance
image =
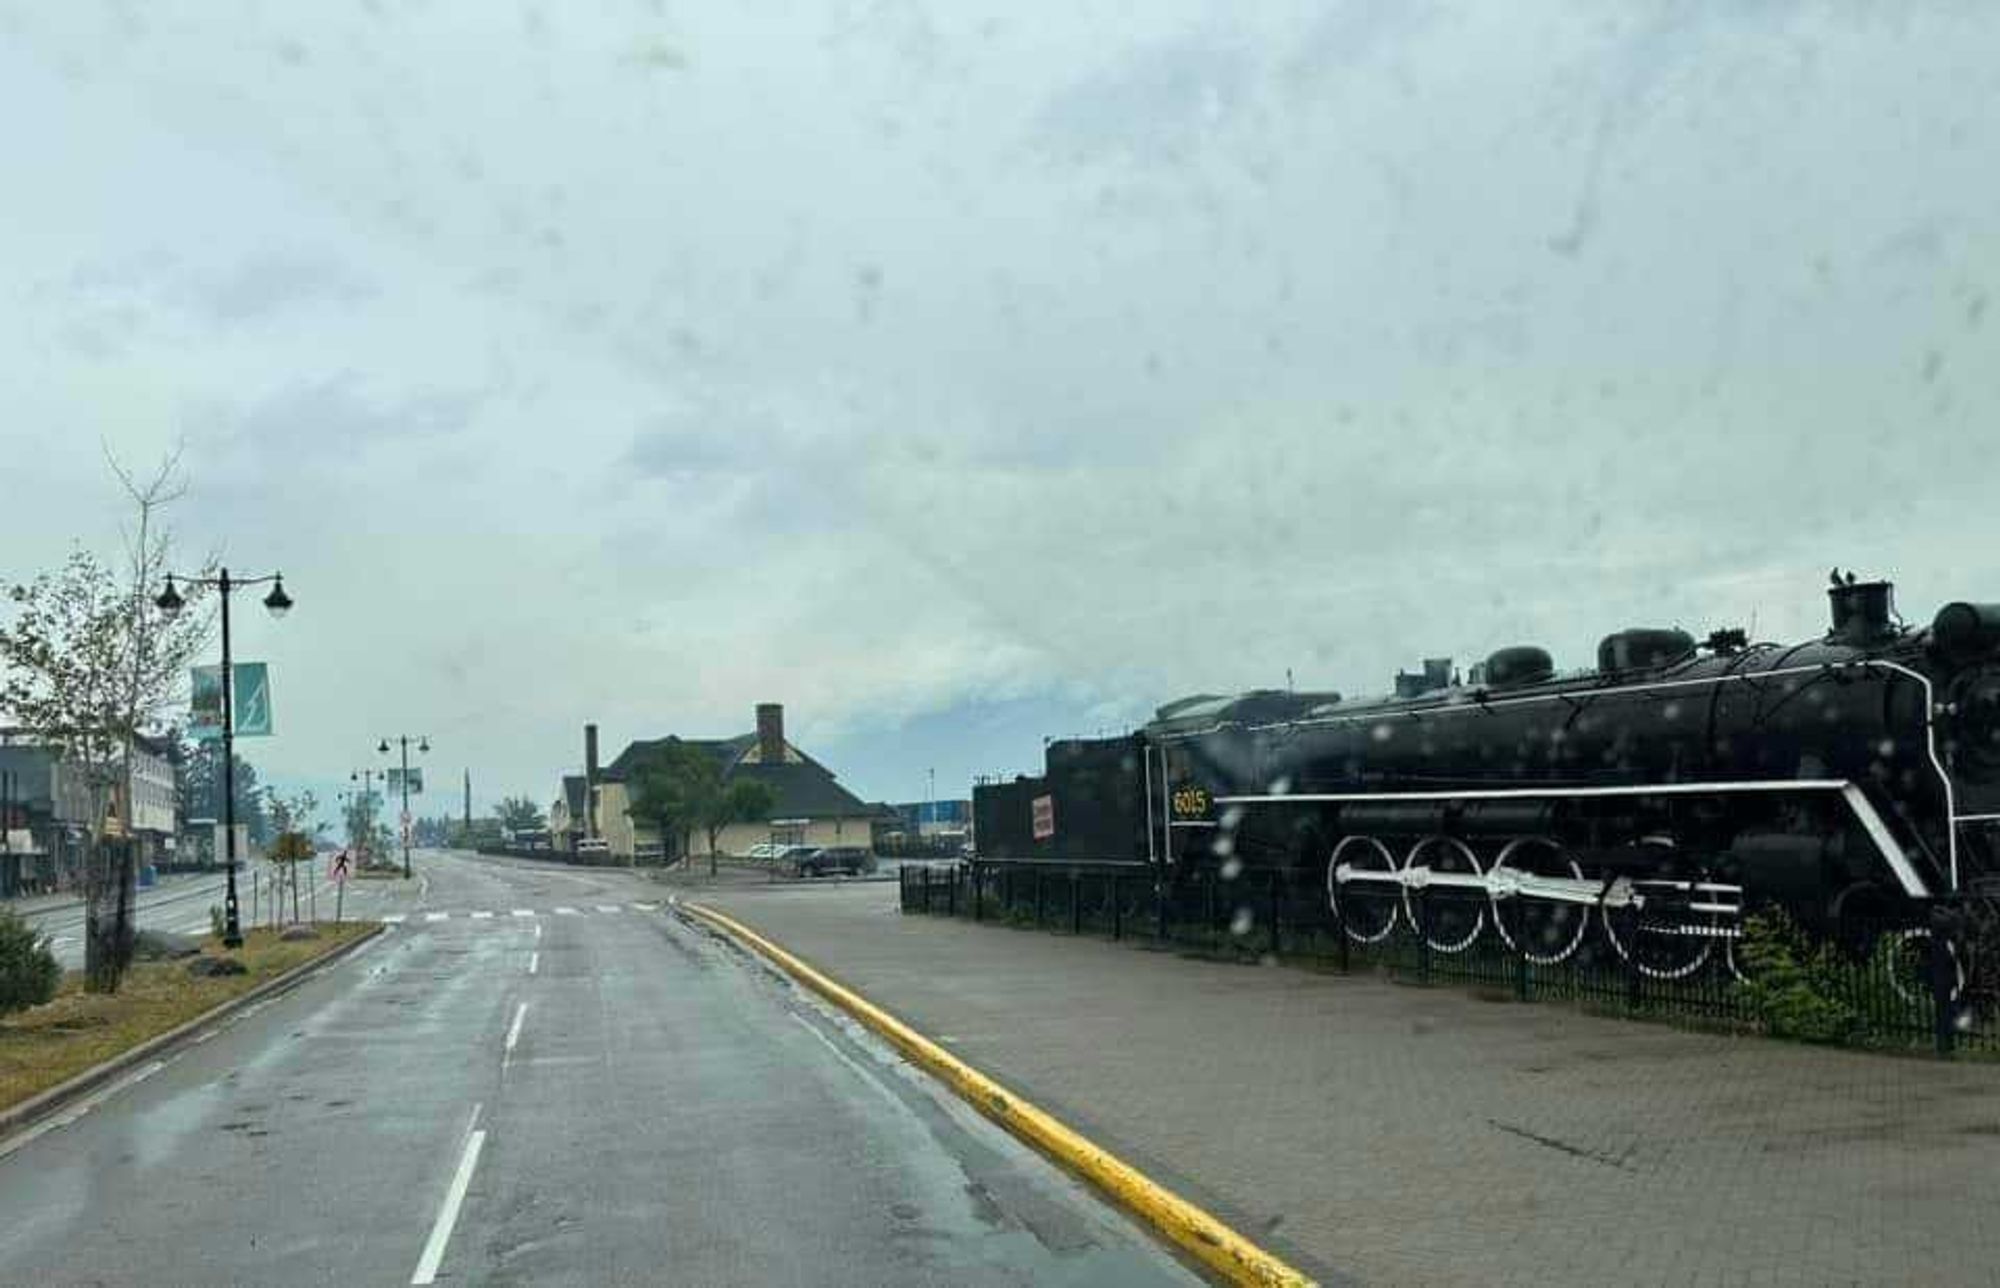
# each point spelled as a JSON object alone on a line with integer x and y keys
{"x": 1222, "y": 1249}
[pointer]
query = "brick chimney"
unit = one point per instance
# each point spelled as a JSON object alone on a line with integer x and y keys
{"x": 770, "y": 733}
{"x": 590, "y": 781}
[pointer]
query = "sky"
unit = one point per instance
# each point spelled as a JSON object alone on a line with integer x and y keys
{"x": 964, "y": 374}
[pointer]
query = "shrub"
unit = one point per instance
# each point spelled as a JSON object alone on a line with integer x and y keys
{"x": 1795, "y": 984}
{"x": 29, "y": 972}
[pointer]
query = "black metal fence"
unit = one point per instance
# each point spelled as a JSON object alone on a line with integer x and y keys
{"x": 1890, "y": 984}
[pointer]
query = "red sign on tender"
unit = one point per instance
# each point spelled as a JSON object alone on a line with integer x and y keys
{"x": 1044, "y": 808}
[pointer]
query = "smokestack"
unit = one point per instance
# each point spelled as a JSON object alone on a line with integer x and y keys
{"x": 770, "y": 733}
{"x": 590, "y": 781}
{"x": 1862, "y": 611}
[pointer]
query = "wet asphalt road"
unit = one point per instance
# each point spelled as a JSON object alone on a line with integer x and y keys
{"x": 575, "y": 1088}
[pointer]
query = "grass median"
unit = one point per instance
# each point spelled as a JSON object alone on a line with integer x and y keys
{"x": 47, "y": 1045}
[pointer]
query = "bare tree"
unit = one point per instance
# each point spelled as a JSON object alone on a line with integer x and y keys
{"x": 88, "y": 667}
{"x": 297, "y": 832}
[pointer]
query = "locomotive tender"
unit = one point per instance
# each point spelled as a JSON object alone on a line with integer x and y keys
{"x": 1661, "y": 795}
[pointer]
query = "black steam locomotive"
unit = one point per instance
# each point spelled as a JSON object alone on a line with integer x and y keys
{"x": 1659, "y": 796}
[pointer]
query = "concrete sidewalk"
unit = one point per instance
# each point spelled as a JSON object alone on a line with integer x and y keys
{"x": 1384, "y": 1134}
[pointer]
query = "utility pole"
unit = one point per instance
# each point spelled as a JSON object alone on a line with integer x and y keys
{"x": 468, "y": 800}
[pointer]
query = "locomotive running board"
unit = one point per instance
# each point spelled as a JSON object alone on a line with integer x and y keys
{"x": 1857, "y": 802}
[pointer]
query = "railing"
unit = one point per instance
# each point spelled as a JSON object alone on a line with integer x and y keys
{"x": 1882, "y": 983}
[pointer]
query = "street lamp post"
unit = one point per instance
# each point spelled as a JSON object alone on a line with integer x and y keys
{"x": 277, "y": 603}
{"x": 423, "y": 746}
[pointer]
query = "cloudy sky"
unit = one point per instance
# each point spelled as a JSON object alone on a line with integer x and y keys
{"x": 958, "y": 374}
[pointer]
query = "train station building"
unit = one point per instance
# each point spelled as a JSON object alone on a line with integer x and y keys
{"x": 810, "y": 806}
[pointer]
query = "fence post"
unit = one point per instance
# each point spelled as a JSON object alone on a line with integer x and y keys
{"x": 1208, "y": 909}
{"x": 1423, "y": 941}
{"x": 1038, "y": 898}
{"x": 927, "y": 886}
{"x": 1117, "y": 910}
{"x": 1632, "y": 972}
{"x": 951, "y": 895}
{"x": 1520, "y": 911}
{"x": 1159, "y": 905}
{"x": 1941, "y": 973}
{"x": 978, "y": 893}
{"x": 1276, "y": 905}
{"x": 1075, "y": 903}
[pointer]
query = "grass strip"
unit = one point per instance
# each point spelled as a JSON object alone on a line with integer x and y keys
{"x": 47, "y": 1045}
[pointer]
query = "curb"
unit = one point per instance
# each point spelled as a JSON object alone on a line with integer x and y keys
{"x": 44, "y": 1103}
{"x": 1215, "y": 1245}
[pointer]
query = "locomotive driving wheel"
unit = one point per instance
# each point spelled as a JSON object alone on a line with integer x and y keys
{"x": 1664, "y": 925}
{"x": 1362, "y": 889}
{"x": 1443, "y": 895}
{"x": 1661, "y": 946}
{"x": 1543, "y": 930}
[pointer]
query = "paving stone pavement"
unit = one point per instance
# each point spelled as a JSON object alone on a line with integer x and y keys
{"x": 1383, "y": 1134}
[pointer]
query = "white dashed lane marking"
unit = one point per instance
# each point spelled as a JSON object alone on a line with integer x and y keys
{"x": 489, "y": 914}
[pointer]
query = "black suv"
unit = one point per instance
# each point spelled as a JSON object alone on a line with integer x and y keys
{"x": 851, "y": 859}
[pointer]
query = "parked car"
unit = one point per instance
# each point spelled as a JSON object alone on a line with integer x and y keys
{"x": 850, "y": 859}
{"x": 764, "y": 851}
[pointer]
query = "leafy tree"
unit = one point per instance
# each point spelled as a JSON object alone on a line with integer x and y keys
{"x": 682, "y": 790}
{"x": 294, "y": 813}
{"x": 519, "y": 814}
{"x": 358, "y": 816}
{"x": 674, "y": 787}
{"x": 744, "y": 800}
{"x": 88, "y": 666}
{"x": 201, "y": 791}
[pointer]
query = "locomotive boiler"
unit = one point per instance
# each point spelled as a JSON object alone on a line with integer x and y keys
{"x": 1657, "y": 797}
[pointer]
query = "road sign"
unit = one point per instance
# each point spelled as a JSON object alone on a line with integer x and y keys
{"x": 339, "y": 872}
{"x": 414, "y": 777}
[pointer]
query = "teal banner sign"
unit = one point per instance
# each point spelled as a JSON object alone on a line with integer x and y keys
{"x": 251, "y": 695}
